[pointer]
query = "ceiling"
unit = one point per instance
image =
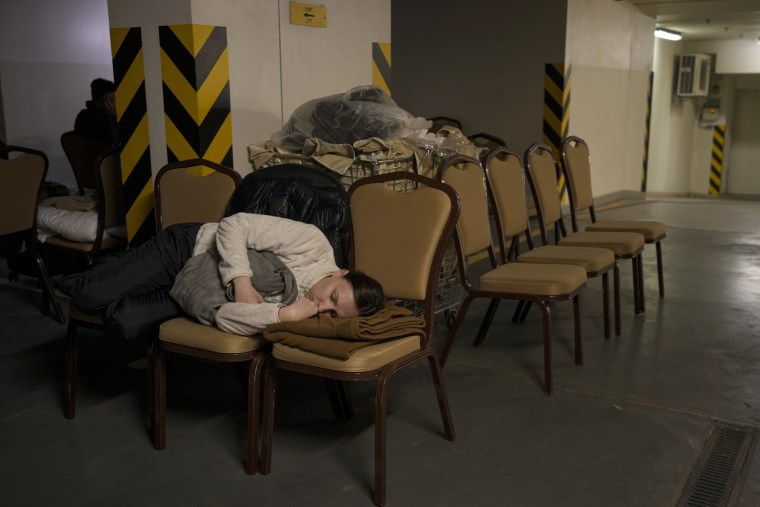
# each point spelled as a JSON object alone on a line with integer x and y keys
{"x": 706, "y": 19}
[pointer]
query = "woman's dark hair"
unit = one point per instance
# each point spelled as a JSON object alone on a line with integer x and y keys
{"x": 368, "y": 293}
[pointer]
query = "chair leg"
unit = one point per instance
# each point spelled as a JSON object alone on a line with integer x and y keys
{"x": 454, "y": 328}
{"x": 159, "y": 397}
{"x": 616, "y": 296}
{"x": 267, "y": 432}
{"x": 254, "y": 413}
{"x": 47, "y": 290}
{"x": 660, "y": 277}
{"x": 486, "y": 322}
{"x": 637, "y": 288}
{"x": 577, "y": 326}
{"x": 70, "y": 396}
{"x": 381, "y": 406}
{"x": 606, "y": 304}
{"x": 640, "y": 271}
{"x": 518, "y": 311}
{"x": 525, "y": 310}
{"x": 341, "y": 403}
{"x": 443, "y": 399}
{"x": 547, "y": 321}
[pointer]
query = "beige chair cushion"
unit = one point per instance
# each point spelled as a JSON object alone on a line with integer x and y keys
{"x": 364, "y": 359}
{"x": 183, "y": 331}
{"x": 622, "y": 243}
{"x": 652, "y": 230}
{"x": 590, "y": 259}
{"x": 536, "y": 279}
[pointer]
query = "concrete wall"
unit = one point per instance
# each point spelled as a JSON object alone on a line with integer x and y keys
{"x": 481, "y": 62}
{"x": 610, "y": 46}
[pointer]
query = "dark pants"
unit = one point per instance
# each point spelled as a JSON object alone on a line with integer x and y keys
{"x": 131, "y": 290}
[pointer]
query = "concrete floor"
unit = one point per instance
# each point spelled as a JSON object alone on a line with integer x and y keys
{"x": 624, "y": 429}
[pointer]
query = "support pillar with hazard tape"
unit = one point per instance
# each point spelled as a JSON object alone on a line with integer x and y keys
{"x": 557, "y": 111}
{"x": 716, "y": 159}
{"x": 381, "y": 66}
{"x": 132, "y": 117}
{"x": 196, "y": 88}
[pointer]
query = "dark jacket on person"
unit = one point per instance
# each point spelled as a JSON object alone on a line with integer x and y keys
{"x": 93, "y": 122}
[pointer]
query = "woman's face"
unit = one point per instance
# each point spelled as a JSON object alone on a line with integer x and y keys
{"x": 335, "y": 296}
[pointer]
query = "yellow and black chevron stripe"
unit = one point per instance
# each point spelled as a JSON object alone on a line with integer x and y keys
{"x": 196, "y": 85}
{"x": 556, "y": 110}
{"x": 645, "y": 163}
{"x": 132, "y": 116}
{"x": 716, "y": 162}
{"x": 381, "y": 66}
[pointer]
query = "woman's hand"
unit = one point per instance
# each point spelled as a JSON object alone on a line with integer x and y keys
{"x": 300, "y": 309}
{"x": 245, "y": 292}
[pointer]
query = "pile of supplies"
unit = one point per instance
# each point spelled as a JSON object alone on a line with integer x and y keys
{"x": 360, "y": 133}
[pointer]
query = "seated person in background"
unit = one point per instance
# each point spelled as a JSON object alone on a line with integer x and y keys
{"x": 99, "y": 118}
{"x": 133, "y": 289}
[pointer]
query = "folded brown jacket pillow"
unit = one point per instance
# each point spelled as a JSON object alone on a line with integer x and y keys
{"x": 339, "y": 338}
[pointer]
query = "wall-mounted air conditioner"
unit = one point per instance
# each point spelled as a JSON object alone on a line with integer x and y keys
{"x": 694, "y": 75}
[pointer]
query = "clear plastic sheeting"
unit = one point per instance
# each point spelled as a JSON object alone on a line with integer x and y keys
{"x": 360, "y": 113}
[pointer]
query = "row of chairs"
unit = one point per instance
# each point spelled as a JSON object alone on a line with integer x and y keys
{"x": 376, "y": 244}
{"x": 555, "y": 271}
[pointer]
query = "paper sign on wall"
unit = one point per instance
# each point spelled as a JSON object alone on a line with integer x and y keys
{"x": 308, "y": 15}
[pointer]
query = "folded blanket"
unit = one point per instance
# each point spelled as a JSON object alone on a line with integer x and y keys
{"x": 339, "y": 338}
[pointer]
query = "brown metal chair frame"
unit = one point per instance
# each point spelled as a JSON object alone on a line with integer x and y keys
{"x": 472, "y": 291}
{"x": 561, "y": 234}
{"x": 27, "y": 219}
{"x": 110, "y": 212}
{"x": 573, "y": 191}
{"x": 511, "y": 209}
{"x": 382, "y": 375}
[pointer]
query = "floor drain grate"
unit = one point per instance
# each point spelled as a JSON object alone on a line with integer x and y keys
{"x": 720, "y": 467}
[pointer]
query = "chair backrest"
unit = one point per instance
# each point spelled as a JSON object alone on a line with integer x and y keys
{"x": 442, "y": 121}
{"x": 82, "y": 154}
{"x": 465, "y": 175}
{"x": 576, "y": 167}
{"x": 183, "y": 193}
{"x": 506, "y": 183}
{"x": 399, "y": 238}
{"x": 541, "y": 172}
{"x": 22, "y": 175}
{"x": 488, "y": 141}
{"x": 308, "y": 194}
{"x": 111, "y": 210}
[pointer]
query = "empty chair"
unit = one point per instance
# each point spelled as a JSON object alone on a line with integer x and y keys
{"x": 542, "y": 174}
{"x": 506, "y": 183}
{"x": 537, "y": 283}
{"x": 22, "y": 172}
{"x": 576, "y": 167}
{"x": 402, "y": 248}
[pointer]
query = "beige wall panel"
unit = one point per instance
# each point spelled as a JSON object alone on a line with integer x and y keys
{"x": 323, "y": 61}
